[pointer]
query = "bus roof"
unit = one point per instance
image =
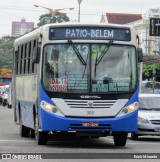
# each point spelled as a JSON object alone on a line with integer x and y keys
{"x": 35, "y": 33}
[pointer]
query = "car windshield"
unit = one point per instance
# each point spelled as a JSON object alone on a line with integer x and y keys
{"x": 146, "y": 103}
{"x": 89, "y": 68}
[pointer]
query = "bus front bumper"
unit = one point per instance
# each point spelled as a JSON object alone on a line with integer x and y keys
{"x": 51, "y": 122}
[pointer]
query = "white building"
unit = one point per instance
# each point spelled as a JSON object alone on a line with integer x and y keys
{"x": 149, "y": 44}
{"x": 152, "y": 13}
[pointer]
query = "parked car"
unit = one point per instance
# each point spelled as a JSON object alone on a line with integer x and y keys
{"x": 9, "y": 99}
{"x": 2, "y": 89}
{"x": 4, "y": 95}
{"x": 148, "y": 116}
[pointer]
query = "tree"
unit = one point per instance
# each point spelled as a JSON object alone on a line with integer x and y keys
{"x": 47, "y": 18}
{"x": 148, "y": 72}
{"x": 6, "y": 52}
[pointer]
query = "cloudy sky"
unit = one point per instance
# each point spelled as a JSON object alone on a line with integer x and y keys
{"x": 91, "y": 10}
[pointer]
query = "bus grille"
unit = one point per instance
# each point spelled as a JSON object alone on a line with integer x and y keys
{"x": 157, "y": 122}
{"x": 90, "y": 103}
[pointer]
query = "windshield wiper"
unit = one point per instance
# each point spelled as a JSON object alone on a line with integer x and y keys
{"x": 77, "y": 52}
{"x": 85, "y": 67}
{"x": 99, "y": 58}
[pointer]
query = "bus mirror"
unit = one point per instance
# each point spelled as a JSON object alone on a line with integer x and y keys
{"x": 36, "y": 55}
{"x": 140, "y": 54}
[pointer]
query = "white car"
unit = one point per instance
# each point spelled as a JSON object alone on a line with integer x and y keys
{"x": 148, "y": 116}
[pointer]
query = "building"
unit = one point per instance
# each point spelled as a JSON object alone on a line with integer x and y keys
{"x": 142, "y": 30}
{"x": 149, "y": 44}
{"x": 120, "y": 18}
{"x": 21, "y": 27}
{"x": 153, "y": 12}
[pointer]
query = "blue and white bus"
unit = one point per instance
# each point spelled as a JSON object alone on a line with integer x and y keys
{"x": 76, "y": 78}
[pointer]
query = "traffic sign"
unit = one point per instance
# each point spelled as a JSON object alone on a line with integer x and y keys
{"x": 154, "y": 29}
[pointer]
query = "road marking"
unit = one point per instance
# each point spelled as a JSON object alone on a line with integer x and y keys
{"x": 14, "y": 141}
{"x": 140, "y": 143}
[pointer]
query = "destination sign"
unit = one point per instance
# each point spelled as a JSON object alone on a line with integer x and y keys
{"x": 96, "y": 33}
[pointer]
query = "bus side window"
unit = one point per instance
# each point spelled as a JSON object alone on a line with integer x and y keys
{"x": 23, "y": 59}
{"x": 31, "y": 51}
{"x": 29, "y": 56}
{"x": 27, "y": 53}
{"x": 19, "y": 60}
{"x": 16, "y": 60}
{"x": 34, "y": 66}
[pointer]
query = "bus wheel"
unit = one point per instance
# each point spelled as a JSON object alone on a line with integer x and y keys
{"x": 120, "y": 138}
{"x": 41, "y": 137}
{"x": 134, "y": 136}
{"x": 24, "y": 131}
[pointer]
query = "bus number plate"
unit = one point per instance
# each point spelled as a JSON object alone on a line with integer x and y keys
{"x": 90, "y": 124}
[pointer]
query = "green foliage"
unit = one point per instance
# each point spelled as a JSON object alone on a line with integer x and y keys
{"x": 47, "y": 18}
{"x": 6, "y": 52}
{"x": 151, "y": 70}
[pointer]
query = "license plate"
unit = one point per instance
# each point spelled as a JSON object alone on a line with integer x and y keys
{"x": 90, "y": 124}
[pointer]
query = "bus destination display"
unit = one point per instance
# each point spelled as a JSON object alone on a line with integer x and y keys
{"x": 101, "y": 33}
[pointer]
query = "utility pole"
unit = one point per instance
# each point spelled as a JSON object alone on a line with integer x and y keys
{"x": 79, "y": 11}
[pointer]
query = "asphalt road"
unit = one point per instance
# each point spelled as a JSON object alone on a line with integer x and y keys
{"x": 73, "y": 147}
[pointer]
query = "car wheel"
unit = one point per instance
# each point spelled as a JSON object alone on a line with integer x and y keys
{"x": 134, "y": 136}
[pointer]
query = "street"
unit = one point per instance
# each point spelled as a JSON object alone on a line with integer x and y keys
{"x": 11, "y": 142}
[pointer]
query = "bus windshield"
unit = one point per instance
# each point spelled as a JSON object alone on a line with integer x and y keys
{"x": 89, "y": 68}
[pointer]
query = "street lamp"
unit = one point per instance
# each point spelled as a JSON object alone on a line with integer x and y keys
{"x": 79, "y": 2}
{"x": 53, "y": 11}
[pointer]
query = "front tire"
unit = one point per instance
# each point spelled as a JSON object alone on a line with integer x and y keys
{"x": 41, "y": 137}
{"x": 120, "y": 138}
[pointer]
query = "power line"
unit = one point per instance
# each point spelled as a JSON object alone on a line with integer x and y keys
{"x": 33, "y": 10}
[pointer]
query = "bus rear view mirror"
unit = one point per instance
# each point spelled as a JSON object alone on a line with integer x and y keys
{"x": 140, "y": 54}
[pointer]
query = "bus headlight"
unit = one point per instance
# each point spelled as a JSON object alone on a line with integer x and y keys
{"x": 48, "y": 107}
{"x": 51, "y": 108}
{"x": 129, "y": 109}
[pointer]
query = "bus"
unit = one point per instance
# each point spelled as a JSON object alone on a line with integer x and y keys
{"x": 74, "y": 78}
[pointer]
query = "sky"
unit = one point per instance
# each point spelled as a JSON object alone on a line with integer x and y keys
{"x": 91, "y": 10}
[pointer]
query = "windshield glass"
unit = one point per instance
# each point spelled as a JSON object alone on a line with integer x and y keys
{"x": 63, "y": 70}
{"x": 149, "y": 103}
{"x": 87, "y": 68}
